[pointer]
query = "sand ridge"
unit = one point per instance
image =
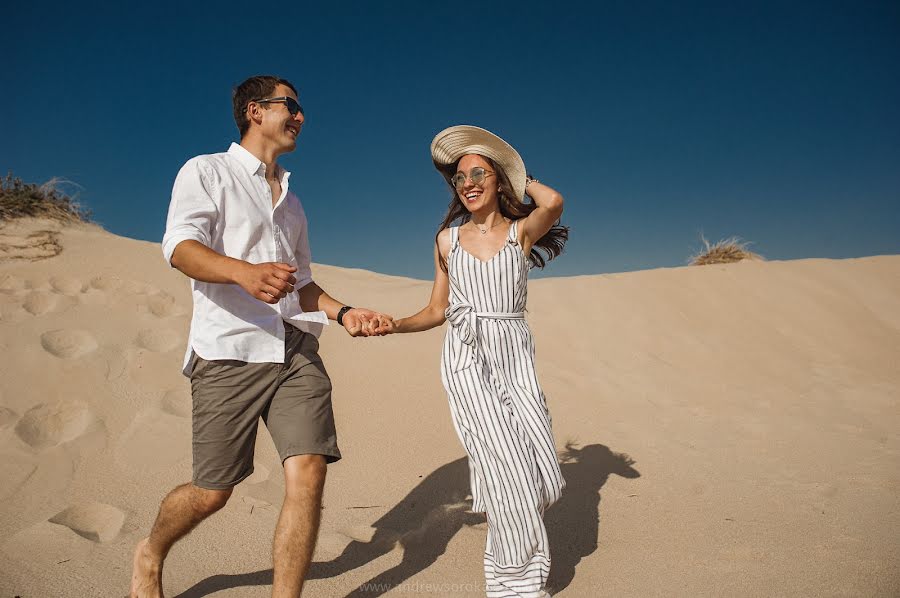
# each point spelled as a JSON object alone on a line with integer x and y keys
{"x": 724, "y": 431}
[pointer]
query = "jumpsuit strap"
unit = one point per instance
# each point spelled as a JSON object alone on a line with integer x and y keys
{"x": 513, "y": 236}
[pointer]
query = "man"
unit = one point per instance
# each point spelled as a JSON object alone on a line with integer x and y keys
{"x": 240, "y": 235}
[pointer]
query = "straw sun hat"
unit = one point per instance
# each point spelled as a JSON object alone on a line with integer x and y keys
{"x": 453, "y": 143}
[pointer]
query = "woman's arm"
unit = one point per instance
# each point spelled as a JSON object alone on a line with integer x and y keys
{"x": 549, "y": 208}
{"x": 431, "y": 315}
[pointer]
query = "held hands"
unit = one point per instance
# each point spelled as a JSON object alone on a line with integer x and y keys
{"x": 385, "y": 325}
{"x": 272, "y": 281}
{"x": 268, "y": 282}
{"x": 365, "y": 322}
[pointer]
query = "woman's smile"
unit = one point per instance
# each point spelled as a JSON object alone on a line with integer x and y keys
{"x": 472, "y": 196}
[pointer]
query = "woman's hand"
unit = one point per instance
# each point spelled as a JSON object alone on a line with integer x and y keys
{"x": 384, "y": 325}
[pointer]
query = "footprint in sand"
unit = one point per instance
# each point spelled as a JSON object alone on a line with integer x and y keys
{"x": 158, "y": 340}
{"x": 46, "y": 426}
{"x": 39, "y": 302}
{"x": 68, "y": 344}
{"x": 116, "y": 362}
{"x": 270, "y": 490}
{"x": 95, "y": 521}
{"x": 162, "y": 305}
{"x": 262, "y": 491}
{"x": 66, "y": 285}
{"x": 177, "y": 402}
{"x": 331, "y": 544}
{"x": 361, "y": 533}
{"x": 106, "y": 283}
{"x": 254, "y": 505}
{"x": 41, "y": 547}
{"x": 260, "y": 474}
{"x": 138, "y": 288}
{"x": 154, "y": 441}
{"x": 12, "y": 284}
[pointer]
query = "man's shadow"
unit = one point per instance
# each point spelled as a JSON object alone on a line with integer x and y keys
{"x": 425, "y": 521}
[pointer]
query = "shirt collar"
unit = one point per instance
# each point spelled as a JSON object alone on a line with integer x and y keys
{"x": 253, "y": 164}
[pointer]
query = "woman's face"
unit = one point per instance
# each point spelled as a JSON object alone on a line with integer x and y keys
{"x": 476, "y": 196}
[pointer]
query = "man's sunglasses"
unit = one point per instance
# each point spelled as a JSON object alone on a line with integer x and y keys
{"x": 293, "y": 105}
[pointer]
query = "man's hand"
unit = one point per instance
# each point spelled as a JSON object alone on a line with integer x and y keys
{"x": 268, "y": 282}
{"x": 363, "y": 322}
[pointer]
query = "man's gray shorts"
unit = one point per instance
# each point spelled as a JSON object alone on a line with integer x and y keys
{"x": 229, "y": 397}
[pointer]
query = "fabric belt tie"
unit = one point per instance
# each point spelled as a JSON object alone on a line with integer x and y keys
{"x": 464, "y": 320}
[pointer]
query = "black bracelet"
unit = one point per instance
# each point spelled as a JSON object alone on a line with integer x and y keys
{"x": 341, "y": 312}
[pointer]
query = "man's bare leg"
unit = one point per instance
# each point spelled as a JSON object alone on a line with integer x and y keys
{"x": 180, "y": 512}
{"x": 298, "y": 524}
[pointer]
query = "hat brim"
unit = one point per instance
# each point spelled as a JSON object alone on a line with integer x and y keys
{"x": 453, "y": 143}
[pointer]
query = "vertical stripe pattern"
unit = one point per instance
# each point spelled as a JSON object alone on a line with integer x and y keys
{"x": 500, "y": 414}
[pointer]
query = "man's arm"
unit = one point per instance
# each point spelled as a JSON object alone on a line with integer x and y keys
{"x": 268, "y": 282}
{"x": 189, "y": 229}
{"x": 358, "y": 321}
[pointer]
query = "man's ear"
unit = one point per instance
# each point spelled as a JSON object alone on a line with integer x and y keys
{"x": 255, "y": 112}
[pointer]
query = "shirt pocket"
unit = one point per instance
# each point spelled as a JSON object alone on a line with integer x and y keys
{"x": 246, "y": 240}
{"x": 291, "y": 229}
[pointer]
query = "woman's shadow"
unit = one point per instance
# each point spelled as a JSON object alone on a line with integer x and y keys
{"x": 425, "y": 521}
{"x": 573, "y": 523}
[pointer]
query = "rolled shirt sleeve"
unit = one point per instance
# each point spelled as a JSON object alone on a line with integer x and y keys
{"x": 192, "y": 210}
{"x": 302, "y": 253}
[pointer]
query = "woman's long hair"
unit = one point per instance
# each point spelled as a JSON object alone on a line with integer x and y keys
{"x": 544, "y": 249}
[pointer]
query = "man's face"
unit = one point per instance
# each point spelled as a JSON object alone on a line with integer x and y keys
{"x": 278, "y": 126}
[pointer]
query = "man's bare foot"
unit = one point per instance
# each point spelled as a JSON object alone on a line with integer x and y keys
{"x": 146, "y": 574}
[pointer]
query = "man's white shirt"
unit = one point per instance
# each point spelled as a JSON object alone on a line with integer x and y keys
{"x": 224, "y": 202}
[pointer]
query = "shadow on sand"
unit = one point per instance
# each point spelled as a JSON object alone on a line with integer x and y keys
{"x": 425, "y": 521}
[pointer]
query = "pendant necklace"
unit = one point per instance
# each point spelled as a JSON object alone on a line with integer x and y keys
{"x": 484, "y": 231}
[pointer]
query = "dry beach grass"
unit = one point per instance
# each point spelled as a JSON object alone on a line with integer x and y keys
{"x": 35, "y": 203}
{"x": 726, "y": 251}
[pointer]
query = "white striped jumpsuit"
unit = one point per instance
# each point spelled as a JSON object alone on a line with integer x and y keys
{"x": 500, "y": 414}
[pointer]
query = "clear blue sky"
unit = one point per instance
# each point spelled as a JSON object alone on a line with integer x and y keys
{"x": 778, "y": 122}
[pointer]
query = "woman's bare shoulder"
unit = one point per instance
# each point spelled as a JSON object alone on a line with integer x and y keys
{"x": 443, "y": 241}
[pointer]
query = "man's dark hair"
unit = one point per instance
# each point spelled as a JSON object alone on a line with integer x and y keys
{"x": 254, "y": 88}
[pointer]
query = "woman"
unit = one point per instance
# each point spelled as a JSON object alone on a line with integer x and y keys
{"x": 480, "y": 286}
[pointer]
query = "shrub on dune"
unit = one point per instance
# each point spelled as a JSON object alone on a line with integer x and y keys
{"x": 726, "y": 251}
{"x": 19, "y": 199}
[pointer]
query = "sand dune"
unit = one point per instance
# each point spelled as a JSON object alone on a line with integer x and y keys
{"x": 725, "y": 431}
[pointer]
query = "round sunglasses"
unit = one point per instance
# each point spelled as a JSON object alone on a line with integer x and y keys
{"x": 476, "y": 175}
